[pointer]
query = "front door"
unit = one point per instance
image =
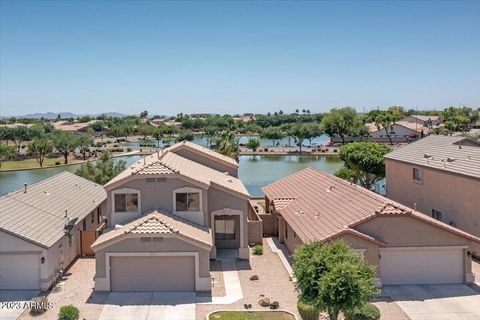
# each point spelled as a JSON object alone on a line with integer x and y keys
{"x": 227, "y": 231}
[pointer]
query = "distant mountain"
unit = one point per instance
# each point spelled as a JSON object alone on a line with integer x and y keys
{"x": 66, "y": 115}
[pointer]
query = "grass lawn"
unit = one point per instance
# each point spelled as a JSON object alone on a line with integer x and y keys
{"x": 30, "y": 163}
{"x": 251, "y": 315}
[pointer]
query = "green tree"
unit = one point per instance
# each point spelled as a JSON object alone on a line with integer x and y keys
{"x": 363, "y": 162}
{"x": 185, "y": 135}
{"x": 312, "y": 131}
{"x": 84, "y": 143}
{"x": 386, "y": 121}
{"x": 40, "y": 148}
{"x": 253, "y": 144}
{"x": 227, "y": 144}
{"x": 299, "y": 132}
{"x": 146, "y": 130}
{"x": 6, "y": 134}
{"x": 272, "y": 133}
{"x": 332, "y": 277}
{"x": 103, "y": 170}
{"x": 340, "y": 122}
{"x": 211, "y": 134}
{"x": 19, "y": 135}
{"x": 6, "y": 152}
{"x": 158, "y": 135}
{"x": 65, "y": 143}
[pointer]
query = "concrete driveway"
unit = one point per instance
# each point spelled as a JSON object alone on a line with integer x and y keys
{"x": 436, "y": 302}
{"x": 149, "y": 306}
{"x": 13, "y": 302}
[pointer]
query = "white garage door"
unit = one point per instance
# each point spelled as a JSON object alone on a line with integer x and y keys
{"x": 165, "y": 273}
{"x": 421, "y": 265}
{"x": 19, "y": 271}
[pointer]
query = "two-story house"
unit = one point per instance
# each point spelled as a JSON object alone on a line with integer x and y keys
{"x": 169, "y": 214}
{"x": 440, "y": 177}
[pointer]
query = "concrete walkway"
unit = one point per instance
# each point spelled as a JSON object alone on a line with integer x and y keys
{"x": 13, "y": 302}
{"x": 282, "y": 252}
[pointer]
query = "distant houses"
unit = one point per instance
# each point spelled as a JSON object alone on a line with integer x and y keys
{"x": 72, "y": 126}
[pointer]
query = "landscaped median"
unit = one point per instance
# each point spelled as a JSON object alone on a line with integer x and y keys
{"x": 251, "y": 315}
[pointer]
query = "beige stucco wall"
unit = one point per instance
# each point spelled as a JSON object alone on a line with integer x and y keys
{"x": 398, "y": 132}
{"x": 168, "y": 245}
{"x": 196, "y": 157}
{"x": 291, "y": 240}
{"x": 456, "y": 196}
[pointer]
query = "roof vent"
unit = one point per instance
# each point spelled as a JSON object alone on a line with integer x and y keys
{"x": 450, "y": 159}
{"x": 426, "y": 156}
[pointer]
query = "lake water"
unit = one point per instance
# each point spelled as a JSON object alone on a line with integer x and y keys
{"x": 255, "y": 171}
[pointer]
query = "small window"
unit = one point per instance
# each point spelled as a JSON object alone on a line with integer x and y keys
{"x": 187, "y": 201}
{"x": 286, "y": 231}
{"x": 436, "y": 214}
{"x": 417, "y": 174}
{"x": 126, "y": 202}
{"x": 294, "y": 234}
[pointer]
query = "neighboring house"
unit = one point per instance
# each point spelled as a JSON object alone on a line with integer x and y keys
{"x": 169, "y": 214}
{"x": 75, "y": 126}
{"x": 405, "y": 246}
{"x": 423, "y": 121}
{"x": 45, "y": 226}
{"x": 440, "y": 176}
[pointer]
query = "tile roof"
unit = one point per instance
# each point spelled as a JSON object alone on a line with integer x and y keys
{"x": 159, "y": 223}
{"x": 444, "y": 153}
{"x": 38, "y": 215}
{"x": 205, "y": 152}
{"x": 170, "y": 163}
{"x": 425, "y": 118}
{"x": 325, "y": 206}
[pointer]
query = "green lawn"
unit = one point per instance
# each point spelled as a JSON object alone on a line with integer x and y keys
{"x": 29, "y": 163}
{"x": 251, "y": 315}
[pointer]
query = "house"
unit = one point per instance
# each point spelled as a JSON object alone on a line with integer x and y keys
{"x": 168, "y": 215}
{"x": 423, "y": 121}
{"x": 405, "y": 246}
{"x": 45, "y": 226}
{"x": 440, "y": 176}
{"x": 74, "y": 126}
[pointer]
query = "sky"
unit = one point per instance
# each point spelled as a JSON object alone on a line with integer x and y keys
{"x": 237, "y": 56}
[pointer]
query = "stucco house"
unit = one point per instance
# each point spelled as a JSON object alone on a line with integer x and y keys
{"x": 440, "y": 177}
{"x": 424, "y": 121}
{"x": 45, "y": 226}
{"x": 405, "y": 246}
{"x": 168, "y": 215}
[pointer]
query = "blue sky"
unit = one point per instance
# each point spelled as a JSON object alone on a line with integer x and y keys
{"x": 235, "y": 57}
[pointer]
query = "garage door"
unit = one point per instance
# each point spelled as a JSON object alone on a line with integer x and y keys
{"x": 19, "y": 271}
{"x": 152, "y": 273}
{"x": 421, "y": 265}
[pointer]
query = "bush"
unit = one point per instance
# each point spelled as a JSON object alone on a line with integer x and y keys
{"x": 308, "y": 312}
{"x": 366, "y": 312}
{"x": 69, "y": 312}
{"x": 57, "y": 163}
{"x": 274, "y": 305}
{"x": 115, "y": 145}
{"x": 258, "y": 249}
{"x": 39, "y": 305}
{"x": 129, "y": 149}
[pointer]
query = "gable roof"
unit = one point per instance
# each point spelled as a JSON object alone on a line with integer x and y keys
{"x": 220, "y": 158}
{"x": 170, "y": 163}
{"x": 324, "y": 206}
{"x": 159, "y": 223}
{"x": 38, "y": 216}
{"x": 453, "y": 154}
{"x": 424, "y": 118}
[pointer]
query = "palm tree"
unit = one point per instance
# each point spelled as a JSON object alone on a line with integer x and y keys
{"x": 227, "y": 145}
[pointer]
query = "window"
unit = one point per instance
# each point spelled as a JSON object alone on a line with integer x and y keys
{"x": 84, "y": 225}
{"x": 436, "y": 214}
{"x": 417, "y": 174}
{"x": 286, "y": 231}
{"x": 187, "y": 201}
{"x": 126, "y": 202}
{"x": 99, "y": 214}
{"x": 92, "y": 217}
{"x": 225, "y": 228}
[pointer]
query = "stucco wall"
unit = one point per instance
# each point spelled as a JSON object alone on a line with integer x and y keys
{"x": 255, "y": 232}
{"x": 196, "y": 157}
{"x": 292, "y": 241}
{"x": 168, "y": 245}
{"x": 398, "y": 132}
{"x": 456, "y": 196}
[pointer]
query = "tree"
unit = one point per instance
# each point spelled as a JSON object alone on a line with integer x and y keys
{"x": 116, "y": 131}
{"x": 253, "y": 144}
{"x": 6, "y": 152}
{"x": 364, "y": 162}
{"x": 312, "y": 131}
{"x": 6, "y": 134}
{"x": 65, "y": 143}
{"x": 158, "y": 135}
{"x": 299, "y": 133}
{"x": 19, "y": 135}
{"x": 185, "y": 135}
{"x": 102, "y": 171}
{"x": 332, "y": 277}
{"x": 386, "y": 120}
{"x": 211, "y": 134}
{"x": 146, "y": 130}
{"x": 272, "y": 133}
{"x": 144, "y": 114}
{"x": 40, "y": 148}
{"x": 340, "y": 122}
{"x": 84, "y": 143}
{"x": 227, "y": 145}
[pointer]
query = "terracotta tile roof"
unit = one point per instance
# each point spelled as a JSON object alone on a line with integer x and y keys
{"x": 38, "y": 215}
{"x": 170, "y": 163}
{"x": 157, "y": 223}
{"x": 205, "y": 152}
{"x": 325, "y": 206}
{"x": 442, "y": 153}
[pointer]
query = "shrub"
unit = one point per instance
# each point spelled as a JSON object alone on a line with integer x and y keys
{"x": 366, "y": 312}
{"x": 274, "y": 305}
{"x": 308, "y": 312}
{"x": 129, "y": 149}
{"x": 115, "y": 145}
{"x": 69, "y": 312}
{"x": 57, "y": 163}
{"x": 39, "y": 305}
{"x": 258, "y": 249}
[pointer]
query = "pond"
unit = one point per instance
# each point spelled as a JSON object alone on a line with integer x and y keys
{"x": 255, "y": 171}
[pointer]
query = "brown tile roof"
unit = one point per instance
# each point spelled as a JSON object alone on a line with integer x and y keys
{"x": 170, "y": 163}
{"x": 442, "y": 153}
{"x": 325, "y": 206}
{"x": 38, "y": 216}
{"x": 205, "y": 152}
{"x": 159, "y": 223}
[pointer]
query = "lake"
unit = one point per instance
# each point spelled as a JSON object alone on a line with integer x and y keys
{"x": 255, "y": 171}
